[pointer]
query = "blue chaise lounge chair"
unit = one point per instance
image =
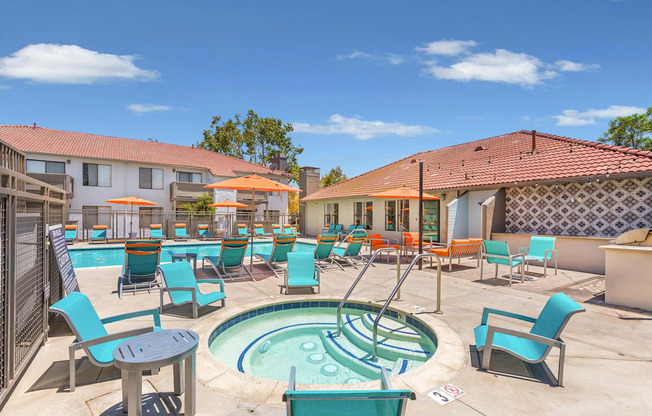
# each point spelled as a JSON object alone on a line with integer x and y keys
{"x": 230, "y": 261}
{"x": 301, "y": 272}
{"x": 156, "y": 231}
{"x": 99, "y": 234}
{"x": 180, "y": 232}
{"x": 278, "y": 252}
{"x": 139, "y": 268}
{"x": 532, "y": 346}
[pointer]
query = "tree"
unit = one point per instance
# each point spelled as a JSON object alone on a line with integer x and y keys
{"x": 255, "y": 139}
{"x": 201, "y": 205}
{"x": 334, "y": 176}
{"x": 630, "y": 131}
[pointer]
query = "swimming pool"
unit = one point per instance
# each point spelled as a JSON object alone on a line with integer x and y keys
{"x": 265, "y": 342}
{"x": 115, "y": 256}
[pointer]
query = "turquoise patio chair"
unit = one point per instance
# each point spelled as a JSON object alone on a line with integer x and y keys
{"x": 323, "y": 250}
{"x": 139, "y": 268}
{"x": 259, "y": 231}
{"x": 383, "y": 402}
{"x": 287, "y": 229}
{"x": 337, "y": 230}
{"x": 204, "y": 232}
{"x": 352, "y": 254}
{"x": 99, "y": 234}
{"x": 230, "y": 261}
{"x": 242, "y": 229}
{"x": 390, "y": 227}
{"x": 181, "y": 284}
{"x": 70, "y": 234}
{"x": 541, "y": 250}
{"x": 329, "y": 229}
{"x": 276, "y": 229}
{"x": 278, "y": 252}
{"x": 90, "y": 333}
{"x": 532, "y": 346}
{"x": 180, "y": 232}
{"x": 497, "y": 252}
{"x": 301, "y": 272}
{"x": 359, "y": 227}
{"x": 156, "y": 231}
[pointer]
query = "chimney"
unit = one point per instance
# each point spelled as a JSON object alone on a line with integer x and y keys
{"x": 534, "y": 141}
{"x": 309, "y": 184}
{"x": 34, "y": 126}
{"x": 280, "y": 162}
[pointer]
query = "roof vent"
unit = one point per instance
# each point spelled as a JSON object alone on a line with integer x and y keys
{"x": 479, "y": 148}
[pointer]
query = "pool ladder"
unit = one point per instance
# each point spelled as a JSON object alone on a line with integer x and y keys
{"x": 396, "y": 291}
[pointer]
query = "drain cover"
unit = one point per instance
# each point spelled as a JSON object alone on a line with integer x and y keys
{"x": 244, "y": 412}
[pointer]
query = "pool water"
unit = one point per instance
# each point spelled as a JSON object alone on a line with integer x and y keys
{"x": 115, "y": 256}
{"x": 266, "y": 343}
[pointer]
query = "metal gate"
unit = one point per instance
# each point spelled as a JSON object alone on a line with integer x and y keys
{"x": 3, "y": 292}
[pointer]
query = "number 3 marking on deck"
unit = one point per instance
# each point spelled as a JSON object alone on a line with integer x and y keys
{"x": 443, "y": 398}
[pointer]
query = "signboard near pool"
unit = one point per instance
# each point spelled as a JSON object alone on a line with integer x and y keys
{"x": 58, "y": 243}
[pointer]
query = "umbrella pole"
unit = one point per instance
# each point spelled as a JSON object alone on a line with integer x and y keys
{"x": 251, "y": 230}
{"x": 131, "y": 220}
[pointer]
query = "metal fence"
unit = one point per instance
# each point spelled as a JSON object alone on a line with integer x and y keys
{"x": 119, "y": 222}
{"x": 27, "y": 207}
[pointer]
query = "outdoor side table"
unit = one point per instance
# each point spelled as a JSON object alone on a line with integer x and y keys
{"x": 187, "y": 257}
{"x": 151, "y": 351}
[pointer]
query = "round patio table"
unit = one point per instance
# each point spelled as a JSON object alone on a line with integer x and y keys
{"x": 187, "y": 257}
{"x": 152, "y": 351}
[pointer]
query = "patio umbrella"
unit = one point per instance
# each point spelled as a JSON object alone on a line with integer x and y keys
{"x": 227, "y": 203}
{"x": 252, "y": 183}
{"x": 131, "y": 201}
{"x": 403, "y": 193}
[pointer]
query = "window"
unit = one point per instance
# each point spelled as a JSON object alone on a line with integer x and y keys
{"x": 331, "y": 213}
{"x": 189, "y": 177}
{"x": 397, "y": 216}
{"x": 274, "y": 216}
{"x": 45, "y": 166}
{"x": 150, "y": 215}
{"x": 390, "y": 215}
{"x": 363, "y": 214}
{"x": 96, "y": 175}
{"x": 431, "y": 219}
{"x": 150, "y": 178}
{"x": 405, "y": 215}
{"x": 96, "y": 216}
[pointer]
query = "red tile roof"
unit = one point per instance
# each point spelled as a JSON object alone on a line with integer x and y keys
{"x": 68, "y": 143}
{"x": 499, "y": 160}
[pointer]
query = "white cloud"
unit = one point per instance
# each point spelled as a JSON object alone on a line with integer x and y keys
{"x": 362, "y": 129}
{"x": 570, "y": 66}
{"x": 501, "y": 66}
{"x": 70, "y": 64}
{"x": 389, "y": 58}
{"x": 147, "y": 108}
{"x": 583, "y": 118}
{"x": 447, "y": 47}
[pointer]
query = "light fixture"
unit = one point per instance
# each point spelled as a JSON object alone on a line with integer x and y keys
{"x": 536, "y": 184}
{"x": 588, "y": 182}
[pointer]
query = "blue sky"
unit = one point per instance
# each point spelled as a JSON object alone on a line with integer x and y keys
{"x": 364, "y": 82}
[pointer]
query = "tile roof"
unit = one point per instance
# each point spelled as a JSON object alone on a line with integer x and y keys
{"x": 498, "y": 160}
{"x": 67, "y": 143}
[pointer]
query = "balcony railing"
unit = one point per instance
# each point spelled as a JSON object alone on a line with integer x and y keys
{"x": 244, "y": 197}
{"x": 187, "y": 191}
{"x": 65, "y": 182}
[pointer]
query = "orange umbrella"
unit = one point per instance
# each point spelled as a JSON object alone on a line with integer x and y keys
{"x": 131, "y": 201}
{"x": 252, "y": 183}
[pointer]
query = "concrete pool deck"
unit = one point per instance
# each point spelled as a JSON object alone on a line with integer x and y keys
{"x": 608, "y": 358}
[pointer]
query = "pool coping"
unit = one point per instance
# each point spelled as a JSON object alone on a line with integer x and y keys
{"x": 447, "y": 362}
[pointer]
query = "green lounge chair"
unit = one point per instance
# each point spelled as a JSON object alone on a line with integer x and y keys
{"x": 156, "y": 231}
{"x": 301, "y": 272}
{"x": 276, "y": 229}
{"x": 541, "y": 250}
{"x": 99, "y": 234}
{"x": 287, "y": 229}
{"x": 359, "y": 227}
{"x": 352, "y": 254}
{"x": 532, "y": 346}
{"x": 180, "y": 232}
{"x": 242, "y": 229}
{"x": 139, "y": 268}
{"x": 70, "y": 234}
{"x": 90, "y": 333}
{"x": 278, "y": 253}
{"x": 230, "y": 261}
{"x": 181, "y": 284}
{"x": 497, "y": 252}
{"x": 383, "y": 402}
{"x": 323, "y": 250}
{"x": 204, "y": 232}
{"x": 328, "y": 229}
{"x": 259, "y": 231}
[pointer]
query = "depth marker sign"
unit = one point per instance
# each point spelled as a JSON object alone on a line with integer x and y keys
{"x": 446, "y": 394}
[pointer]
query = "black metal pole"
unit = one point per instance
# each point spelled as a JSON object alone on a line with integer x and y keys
{"x": 420, "y": 212}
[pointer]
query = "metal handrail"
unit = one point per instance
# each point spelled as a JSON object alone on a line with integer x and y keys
{"x": 397, "y": 288}
{"x": 355, "y": 282}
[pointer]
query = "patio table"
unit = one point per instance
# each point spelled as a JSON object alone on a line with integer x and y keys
{"x": 152, "y": 351}
{"x": 187, "y": 257}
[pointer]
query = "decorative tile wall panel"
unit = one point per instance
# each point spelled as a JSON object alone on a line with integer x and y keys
{"x": 604, "y": 208}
